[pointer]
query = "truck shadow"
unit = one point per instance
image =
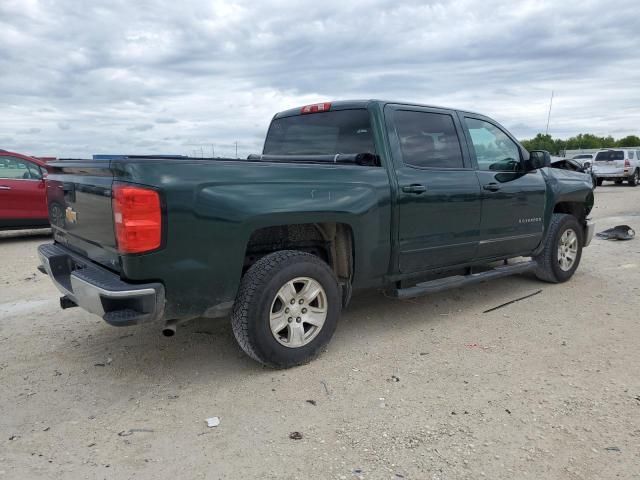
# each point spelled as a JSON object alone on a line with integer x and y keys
{"x": 205, "y": 350}
{"x": 15, "y": 236}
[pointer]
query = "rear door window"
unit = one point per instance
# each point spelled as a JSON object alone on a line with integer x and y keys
{"x": 610, "y": 155}
{"x": 428, "y": 140}
{"x": 325, "y": 133}
{"x": 631, "y": 155}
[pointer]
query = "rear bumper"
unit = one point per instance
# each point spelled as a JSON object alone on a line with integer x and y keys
{"x": 100, "y": 291}
{"x": 589, "y": 230}
{"x": 613, "y": 175}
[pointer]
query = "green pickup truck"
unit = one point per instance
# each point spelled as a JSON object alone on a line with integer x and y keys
{"x": 346, "y": 196}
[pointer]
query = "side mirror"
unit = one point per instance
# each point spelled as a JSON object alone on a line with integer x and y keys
{"x": 586, "y": 164}
{"x": 538, "y": 159}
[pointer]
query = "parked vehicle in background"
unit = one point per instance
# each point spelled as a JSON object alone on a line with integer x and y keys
{"x": 345, "y": 197}
{"x": 23, "y": 194}
{"x": 584, "y": 158}
{"x": 575, "y": 166}
{"x": 617, "y": 165}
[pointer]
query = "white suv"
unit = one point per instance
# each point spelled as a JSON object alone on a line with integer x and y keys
{"x": 617, "y": 164}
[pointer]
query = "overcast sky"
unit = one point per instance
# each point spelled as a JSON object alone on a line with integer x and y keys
{"x": 130, "y": 76}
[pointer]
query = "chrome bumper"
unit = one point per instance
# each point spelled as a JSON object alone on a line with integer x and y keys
{"x": 589, "y": 230}
{"x": 100, "y": 291}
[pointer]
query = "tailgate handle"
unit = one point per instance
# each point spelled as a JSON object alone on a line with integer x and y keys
{"x": 414, "y": 188}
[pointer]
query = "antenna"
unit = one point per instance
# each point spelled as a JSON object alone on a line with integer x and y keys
{"x": 549, "y": 116}
{"x": 236, "y": 149}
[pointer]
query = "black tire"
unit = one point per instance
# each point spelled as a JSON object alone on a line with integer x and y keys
{"x": 548, "y": 268}
{"x": 599, "y": 181}
{"x": 618, "y": 182}
{"x": 252, "y": 307}
{"x": 635, "y": 179}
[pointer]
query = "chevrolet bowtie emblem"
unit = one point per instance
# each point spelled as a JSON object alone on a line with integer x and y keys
{"x": 71, "y": 215}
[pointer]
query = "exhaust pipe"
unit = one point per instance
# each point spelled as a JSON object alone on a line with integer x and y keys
{"x": 169, "y": 329}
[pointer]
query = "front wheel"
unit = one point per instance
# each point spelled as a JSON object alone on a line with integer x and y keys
{"x": 562, "y": 250}
{"x": 287, "y": 308}
{"x": 635, "y": 179}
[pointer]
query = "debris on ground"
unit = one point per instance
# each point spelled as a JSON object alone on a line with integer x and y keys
{"x": 513, "y": 301}
{"x": 613, "y": 449}
{"x": 213, "y": 422}
{"x": 295, "y": 436}
{"x": 131, "y": 431}
{"x": 620, "y": 232}
{"x": 395, "y": 378}
{"x": 326, "y": 389}
{"x": 311, "y": 402}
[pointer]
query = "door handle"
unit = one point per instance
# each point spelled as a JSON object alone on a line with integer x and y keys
{"x": 4, "y": 187}
{"x": 492, "y": 187}
{"x": 414, "y": 188}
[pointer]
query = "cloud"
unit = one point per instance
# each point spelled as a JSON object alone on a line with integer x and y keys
{"x": 29, "y": 131}
{"x": 140, "y": 128}
{"x": 166, "y": 120}
{"x": 124, "y": 75}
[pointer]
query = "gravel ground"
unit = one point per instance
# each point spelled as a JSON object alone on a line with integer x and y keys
{"x": 431, "y": 388}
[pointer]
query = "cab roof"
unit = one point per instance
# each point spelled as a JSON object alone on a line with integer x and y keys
{"x": 365, "y": 103}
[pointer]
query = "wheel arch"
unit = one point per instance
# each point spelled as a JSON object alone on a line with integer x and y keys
{"x": 333, "y": 242}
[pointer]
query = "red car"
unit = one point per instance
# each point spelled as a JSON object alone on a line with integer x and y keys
{"x": 23, "y": 193}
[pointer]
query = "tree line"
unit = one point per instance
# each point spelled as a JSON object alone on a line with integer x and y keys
{"x": 581, "y": 141}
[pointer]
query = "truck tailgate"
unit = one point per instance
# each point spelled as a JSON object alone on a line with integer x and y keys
{"x": 80, "y": 210}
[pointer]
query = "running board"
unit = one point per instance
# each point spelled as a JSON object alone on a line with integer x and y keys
{"x": 434, "y": 286}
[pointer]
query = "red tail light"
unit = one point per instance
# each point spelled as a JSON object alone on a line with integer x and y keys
{"x": 138, "y": 219}
{"x": 316, "y": 107}
{"x": 627, "y": 163}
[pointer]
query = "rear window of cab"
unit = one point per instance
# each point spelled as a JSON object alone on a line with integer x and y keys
{"x": 322, "y": 133}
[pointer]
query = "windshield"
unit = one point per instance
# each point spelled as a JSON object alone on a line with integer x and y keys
{"x": 610, "y": 155}
{"x": 326, "y": 133}
{"x": 582, "y": 157}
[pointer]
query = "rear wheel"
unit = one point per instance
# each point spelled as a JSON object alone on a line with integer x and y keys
{"x": 599, "y": 181}
{"x": 635, "y": 179}
{"x": 287, "y": 308}
{"x": 562, "y": 251}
